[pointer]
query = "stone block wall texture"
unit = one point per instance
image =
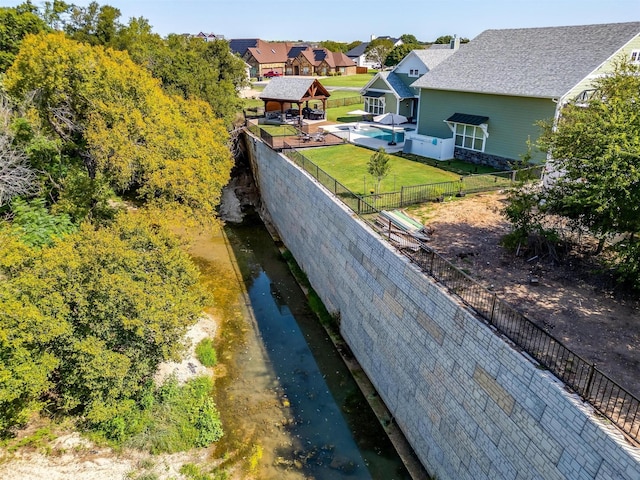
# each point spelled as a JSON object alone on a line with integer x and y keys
{"x": 471, "y": 406}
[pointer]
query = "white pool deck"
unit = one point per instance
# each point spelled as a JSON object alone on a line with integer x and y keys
{"x": 349, "y": 131}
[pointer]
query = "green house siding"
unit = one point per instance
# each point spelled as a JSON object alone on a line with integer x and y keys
{"x": 378, "y": 84}
{"x": 512, "y": 120}
{"x": 391, "y": 103}
{"x": 405, "y": 108}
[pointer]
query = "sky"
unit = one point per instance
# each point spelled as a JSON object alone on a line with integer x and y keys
{"x": 349, "y": 20}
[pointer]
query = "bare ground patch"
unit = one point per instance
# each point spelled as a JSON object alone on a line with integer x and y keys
{"x": 572, "y": 300}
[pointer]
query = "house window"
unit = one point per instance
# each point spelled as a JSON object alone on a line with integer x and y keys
{"x": 471, "y": 137}
{"x": 413, "y": 72}
{"x": 374, "y": 106}
{"x": 635, "y": 56}
{"x": 305, "y": 70}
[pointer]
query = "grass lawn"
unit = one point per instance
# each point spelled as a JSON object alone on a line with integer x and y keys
{"x": 279, "y": 130}
{"x": 359, "y": 80}
{"x": 348, "y": 165}
{"x": 343, "y": 94}
{"x": 339, "y": 114}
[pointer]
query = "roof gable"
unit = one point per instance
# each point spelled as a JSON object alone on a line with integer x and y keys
{"x": 392, "y": 81}
{"x": 426, "y": 57}
{"x": 270, "y": 52}
{"x": 536, "y": 62}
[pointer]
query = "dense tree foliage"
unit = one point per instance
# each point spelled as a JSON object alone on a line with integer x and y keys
{"x": 409, "y": 39}
{"x": 115, "y": 117}
{"x": 595, "y": 147}
{"x": 111, "y": 303}
{"x": 398, "y": 53}
{"x": 15, "y": 24}
{"x": 335, "y": 46}
{"x": 93, "y": 24}
{"x": 93, "y": 295}
{"x": 192, "y": 68}
{"x": 378, "y": 49}
{"x": 353, "y": 45}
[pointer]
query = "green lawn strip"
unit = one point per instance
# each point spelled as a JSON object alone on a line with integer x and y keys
{"x": 339, "y": 114}
{"x": 359, "y": 80}
{"x": 253, "y": 102}
{"x": 348, "y": 165}
{"x": 343, "y": 94}
{"x": 279, "y": 130}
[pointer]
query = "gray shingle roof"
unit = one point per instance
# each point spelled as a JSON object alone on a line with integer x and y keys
{"x": 397, "y": 84}
{"x": 287, "y": 88}
{"x": 357, "y": 50}
{"x": 535, "y": 62}
{"x": 434, "y": 57}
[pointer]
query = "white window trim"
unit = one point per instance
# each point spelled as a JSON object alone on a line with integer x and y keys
{"x": 469, "y": 131}
{"x": 375, "y": 105}
{"x": 635, "y": 57}
{"x": 414, "y": 72}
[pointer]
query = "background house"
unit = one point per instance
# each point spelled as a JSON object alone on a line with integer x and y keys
{"x": 319, "y": 61}
{"x": 360, "y": 58}
{"x": 284, "y": 58}
{"x": 489, "y": 96}
{"x": 267, "y": 58}
{"x": 209, "y": 37}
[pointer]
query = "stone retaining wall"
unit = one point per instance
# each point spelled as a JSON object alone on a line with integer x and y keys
{"x": 471, "y": 406}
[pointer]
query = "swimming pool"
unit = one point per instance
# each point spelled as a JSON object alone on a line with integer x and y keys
{"x": 380, "y": 133}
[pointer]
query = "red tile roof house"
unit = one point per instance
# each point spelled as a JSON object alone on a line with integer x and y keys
{"x": 268, "y": 59}
{"x": 319, "y": 61}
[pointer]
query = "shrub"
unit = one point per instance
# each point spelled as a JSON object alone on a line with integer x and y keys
{"x": 206, "y": 353}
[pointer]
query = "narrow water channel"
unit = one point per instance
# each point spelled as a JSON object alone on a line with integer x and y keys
{"x": 286, "y": 391}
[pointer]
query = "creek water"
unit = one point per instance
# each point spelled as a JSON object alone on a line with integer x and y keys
{"x": 289, "y": 405}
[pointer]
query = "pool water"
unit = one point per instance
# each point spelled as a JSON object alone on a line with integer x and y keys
{"x": 381, "y": 134}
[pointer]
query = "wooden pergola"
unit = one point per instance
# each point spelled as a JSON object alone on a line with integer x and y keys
{"x": 294, "y": 90}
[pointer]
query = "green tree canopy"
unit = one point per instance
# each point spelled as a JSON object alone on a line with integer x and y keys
{"x": 93, "y": 24}
{"x": 15, "y": 24}
{"x": 409, "y": 39}
{"x": 595, "y": 147}
{"x": 114, "y": 116}
{"x": 398, "y": 53}
{"x": 353, "y": 45}
{"x": 89, "y": 318}
{"x": 335, "y": 46}
{"x": 378, "y": 49}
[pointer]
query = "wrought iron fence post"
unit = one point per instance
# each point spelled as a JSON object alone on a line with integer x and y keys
{"x": 433, "y": 256}
{"x": 587, "y": 389}
{"x": 493, "y": 308}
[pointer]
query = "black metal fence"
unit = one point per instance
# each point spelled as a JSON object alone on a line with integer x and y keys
{"x": 607, "y": 396}
{"x": 342, "y": 102}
